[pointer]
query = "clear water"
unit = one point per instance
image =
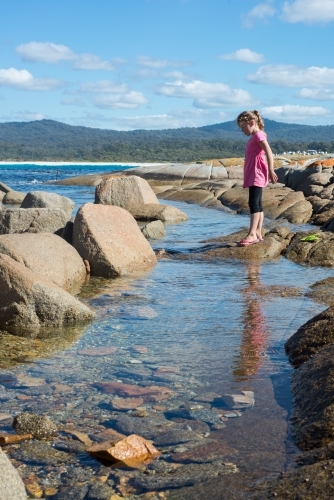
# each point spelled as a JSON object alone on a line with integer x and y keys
{"x": 220, "y": 325}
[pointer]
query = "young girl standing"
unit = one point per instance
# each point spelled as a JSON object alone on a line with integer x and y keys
{"x": 257, "y": 171}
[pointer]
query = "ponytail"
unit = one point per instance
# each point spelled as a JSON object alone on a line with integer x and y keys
{"x": 246, "y": 116}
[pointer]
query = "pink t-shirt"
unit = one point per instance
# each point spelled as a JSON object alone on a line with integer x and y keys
{"x": 255, "y": 167}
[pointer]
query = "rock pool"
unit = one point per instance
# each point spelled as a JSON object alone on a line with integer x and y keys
{"x": 191, "y": 333}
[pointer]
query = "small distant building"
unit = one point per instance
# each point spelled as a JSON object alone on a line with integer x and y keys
{"x": 312, "y": 151}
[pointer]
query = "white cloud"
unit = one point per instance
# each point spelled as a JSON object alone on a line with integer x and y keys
{"x": 175, "y": 119}
{"x": 132, "y": 100}
{"x": 54, "y": 53}
{"x": 92, "y": 62}
{"x": 308, "y": 11}
{"x": 23, "y": 116}
{"x": 206, "y": 95}
{"x": 105, "y": 86}
{"x": 293, "y": 76}
{"x": 30, "y": 116}
{"x": 74, "y": 102}
{"x": 149, "y": 62}
{"x": 23, "y": 80}
{"x": 316, "y": 94}
{"x": 44, "y": 52}
{"x": 259, "y": 13}
{"x": 290, "y": 112}
{"x": 245, "y": 55}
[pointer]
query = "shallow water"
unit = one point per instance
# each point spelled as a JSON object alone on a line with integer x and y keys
{"x": 218, "y": 326}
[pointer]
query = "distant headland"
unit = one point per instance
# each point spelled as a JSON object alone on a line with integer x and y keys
{"x": 52, "y": 141}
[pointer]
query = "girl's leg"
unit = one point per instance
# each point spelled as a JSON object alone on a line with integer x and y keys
{"x": 259, "y": 227}
{"x": 256, "y": 216}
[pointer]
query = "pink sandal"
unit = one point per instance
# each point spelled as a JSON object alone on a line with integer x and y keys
{"x": 246, "y": 243}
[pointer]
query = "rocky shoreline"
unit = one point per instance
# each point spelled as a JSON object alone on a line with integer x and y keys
{"x": 304, "y": 194}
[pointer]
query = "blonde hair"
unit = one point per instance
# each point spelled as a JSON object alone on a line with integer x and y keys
{"x": 255, "y": 115}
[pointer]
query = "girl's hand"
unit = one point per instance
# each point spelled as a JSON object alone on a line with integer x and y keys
{"x": 273, "y": 177}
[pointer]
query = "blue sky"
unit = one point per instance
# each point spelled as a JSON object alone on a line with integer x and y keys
{"x": 154, "y": 64}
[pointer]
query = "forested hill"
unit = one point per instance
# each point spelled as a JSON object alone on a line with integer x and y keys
{"x": 51, "y": 140}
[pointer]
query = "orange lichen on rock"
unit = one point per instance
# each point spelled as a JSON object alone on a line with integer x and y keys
{"x": 133, "y": 451}
{"x": 329, "y": 162}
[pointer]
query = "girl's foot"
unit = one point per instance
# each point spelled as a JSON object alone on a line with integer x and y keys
{"x": 259, "y": 237}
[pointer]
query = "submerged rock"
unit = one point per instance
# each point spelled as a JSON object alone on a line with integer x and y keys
{"x": 38, "y": 425}
{"x": 205, "y": 453}
{"x": 185, "y": 475}
{"x": 41, "y": 453}
{"x": 150, "y": 426}
{"x": 243, "y": 400}
{"x": 195, "y": 413}
{"x": 133, "y": 451}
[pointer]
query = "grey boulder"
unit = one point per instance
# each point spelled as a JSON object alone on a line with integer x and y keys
{"x": 13, "y": 198}
{"x": 43, "y": 199}
{"x": 11, "y": 484}
{"x": 125, "y": 192}
{"x": 32, "y": 220}
{"x": 154, "y": 211}
{"x": 154, "y": 230}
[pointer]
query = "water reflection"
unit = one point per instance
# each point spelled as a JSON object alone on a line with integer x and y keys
{"x": 255, "y": 332}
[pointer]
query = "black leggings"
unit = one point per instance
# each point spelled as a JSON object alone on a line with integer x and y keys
{"x": 255, "y": 199}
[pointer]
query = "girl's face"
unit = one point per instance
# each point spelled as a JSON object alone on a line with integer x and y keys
{"x": 248, "y": 127}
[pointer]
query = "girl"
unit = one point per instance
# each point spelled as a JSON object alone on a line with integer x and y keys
{"x": 257, "y": 171}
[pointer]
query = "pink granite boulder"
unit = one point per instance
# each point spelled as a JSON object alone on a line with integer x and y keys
{"x": 109, "y": 238}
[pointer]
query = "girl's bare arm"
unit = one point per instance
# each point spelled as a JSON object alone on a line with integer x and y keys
{"x": 270, "y": 161}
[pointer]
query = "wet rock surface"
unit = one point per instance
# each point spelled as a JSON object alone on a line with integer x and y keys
{"x": 226, "y": 247}
{"x": 307, "y": 483}
{"x": 311, "y": 337}
{"x": 312, "y": 387}
{"x": 323, "y": 291}
{"x": 314, "y": 253}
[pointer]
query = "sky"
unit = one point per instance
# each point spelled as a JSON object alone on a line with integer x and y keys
{"x": 158, "y": 64}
